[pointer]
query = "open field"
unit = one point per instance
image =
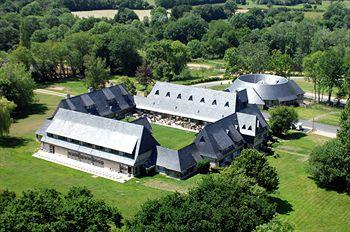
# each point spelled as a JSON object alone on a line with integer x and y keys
{"x": 109, "y": 13}
{"x": 301, "y": 201}
{"x": 220, "y": 87}
{"x": 320, "y": 113}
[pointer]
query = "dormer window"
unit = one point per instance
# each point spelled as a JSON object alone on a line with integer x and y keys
{"x": 157, "y": 92}
{"x": 243, "y": 127}
{"x": 202, "y": 100}
{"x": 227, "y": 131}
{"x": 167, "y": 94}
{"x": 190, "y": 98}
{"x": 214, "y": 103}
{"x": 250, "y": 128}
{"x": 227, "y": 104}
{"x": 202, "y": 140}
{"x": 179, "y": 96}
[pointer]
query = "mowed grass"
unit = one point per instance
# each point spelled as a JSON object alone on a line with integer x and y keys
{"x": 20, "y": 171}
{"x": 301, "y": 201}
{"x": 171, "y": 137}
{"x": 220, "y": 87}
{"x": 320, "y": 113}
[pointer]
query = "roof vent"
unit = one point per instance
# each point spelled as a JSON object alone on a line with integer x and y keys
{"x": 250, "y": 128}
{"x": 202, "y": 100}
{"x": 214, "y": 103}
{"x": 227, "y": 104}
{"x": 167, "y": 94}
{"x": 157, "y": 92}
{"x": 190, "y": 98}
{"x": 179, "y": 96}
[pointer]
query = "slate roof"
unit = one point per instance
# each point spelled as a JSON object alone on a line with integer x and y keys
{"x": 261, "y": 87}
{"x": 102, "y": 102}
{"x": 177, "y": 160}
{"x": 188, "y": 101}
{"x": 108, "y": 133}
{"x": 218, "y": 138}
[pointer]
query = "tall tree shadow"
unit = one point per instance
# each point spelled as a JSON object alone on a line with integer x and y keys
{"x": 12, "y": 142}
{"x": 34, "y": 108}
{"x": 283, "y": 206}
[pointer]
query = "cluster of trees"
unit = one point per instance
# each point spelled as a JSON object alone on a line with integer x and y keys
{"x": 234, "y": 200}
{"x": 49, "y": 210}
{"x": 287, "y": 2}
{"x": 329, "y": 163}
{"x": 171, "y": 3}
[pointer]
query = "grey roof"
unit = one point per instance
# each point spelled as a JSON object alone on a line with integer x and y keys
{"x": 102, "y": 102}
{"x": 176, "y": 160}
{"x": 188, "y": 101}
{"x": 261, "y": 87}
{"x": 144, "y": 122}
{"x": 42, "y": 129}
{"x": 252, "y": 117}
{"x": 218, "y": 138}
{"x": 108, "y": 133}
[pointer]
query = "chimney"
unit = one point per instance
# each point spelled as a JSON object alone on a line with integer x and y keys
{"x": 68, "y": 96}
{"x": 90, "y": 89}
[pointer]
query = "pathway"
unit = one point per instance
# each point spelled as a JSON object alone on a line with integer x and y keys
{"x": 49, "y": 92}
{"x": 94, "y": 170}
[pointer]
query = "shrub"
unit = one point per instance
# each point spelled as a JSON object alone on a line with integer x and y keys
{"x": 203, "y": 166}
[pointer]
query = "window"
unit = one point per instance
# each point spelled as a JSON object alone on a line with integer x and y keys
{"x": 227, "y": 104}
{"x": 243, "y": 127}
{"x": 227, "y": 131}
{"x": 202, "y": 100}
{"x": 179, "y": 96}
{"x": 202, "y": 140}
{"x": 250, "y": 128}
{"x": 214, "y": 103}
{"x": 157, "y": 92}
{"x": 190, "y": 98}
{"x": 167, "y": 94}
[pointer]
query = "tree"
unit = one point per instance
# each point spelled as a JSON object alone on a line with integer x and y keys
{"x": 254, "y": 165}
{"x": 129, "y": 84}
{"x": 344, "y": 131}
{"x": 125, "y": 15}
{"x": 16, "y": 84}
{"x": 166, "y": 58}
{"x": 281, "y": 119}
{"x": 144, "y": 74}
{"x": 6, "y": 107}
{"x": 329, "y": 165}
{"x": 185, "y": 29}
{"x": 281, "y": 64}
{"x": 203, "y": 166}
{"x": 49, "y": 210}
{"x": 96, "y": 74}
{"x": 312, "y": 68}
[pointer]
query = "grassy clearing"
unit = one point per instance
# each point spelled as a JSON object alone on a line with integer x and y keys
{"x": 313, "y": 15}
{"x": 171, "y": 137}
{"x": 300, "y": 200}
{"x": 307, "y": 86}
{"x": 220, "y": 87}
{"x": 109, "y": 13}
{"x": 320, "y": 113}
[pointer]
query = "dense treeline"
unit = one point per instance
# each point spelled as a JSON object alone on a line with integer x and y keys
{"x": 104, "y": 4}
{"x": 171, "y": 3}
{"x": 51, "y": 43}
{"x": 287, "y": 2}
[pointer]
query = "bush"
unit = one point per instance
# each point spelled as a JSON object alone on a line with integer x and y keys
{"x": 329, "y": 165}
{"x": 203, "y": 166}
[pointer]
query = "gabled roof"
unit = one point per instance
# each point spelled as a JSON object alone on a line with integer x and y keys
{"x": 176, "y": 160}
{"x": 102, "y": 102}
{"x": 218, "y": 138}
{"x": 188, "y": 101}
{"x": 104, "y": 132}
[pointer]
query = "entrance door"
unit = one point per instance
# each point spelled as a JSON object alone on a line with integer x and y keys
{"x": 52, "y": 149}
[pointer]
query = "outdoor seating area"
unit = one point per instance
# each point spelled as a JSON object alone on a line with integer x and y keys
{"x": 172, "y": 121}
{"x": 81, "y": 166}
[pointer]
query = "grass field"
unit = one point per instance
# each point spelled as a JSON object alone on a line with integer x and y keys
{"x": 109, "y": 13}
{"x": 220, "y": 87}
{"x": 321, "y": 113}
{"x": 302, "y": 202}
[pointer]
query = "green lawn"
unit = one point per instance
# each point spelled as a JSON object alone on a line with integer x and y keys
{"x": 171, "y": 137}
{"x": 301, "y": 201}
{"x": 320, "y": 113}
{"x": 220, "y": 87}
